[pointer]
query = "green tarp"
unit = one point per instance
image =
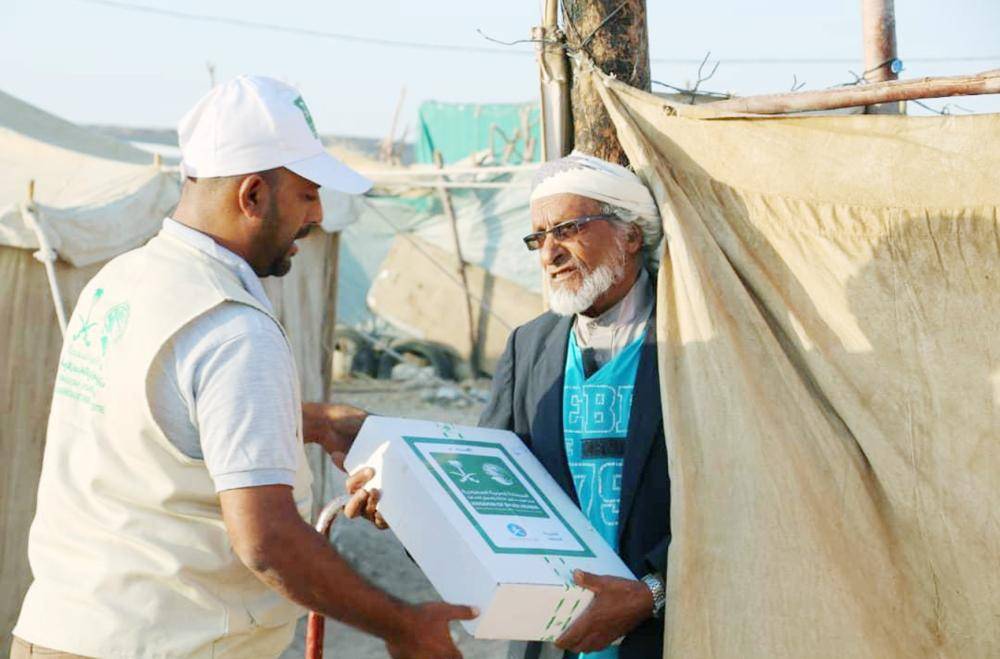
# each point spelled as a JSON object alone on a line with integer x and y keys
{"x": 511, "y": 131}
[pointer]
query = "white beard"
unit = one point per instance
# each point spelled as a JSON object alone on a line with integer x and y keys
{"x": 565, "y": 302}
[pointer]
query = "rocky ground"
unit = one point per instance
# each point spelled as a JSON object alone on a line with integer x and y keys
{"x": 377, "y": 554}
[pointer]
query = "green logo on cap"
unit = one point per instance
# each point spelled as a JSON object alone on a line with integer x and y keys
{"x": 300, "y": 104}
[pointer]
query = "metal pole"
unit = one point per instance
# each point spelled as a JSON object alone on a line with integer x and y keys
{"x": 554, "y": 78}
{"x": 878, "y": 20}
{"x": 556, "y": 104}
{"x": 316, "y": 624}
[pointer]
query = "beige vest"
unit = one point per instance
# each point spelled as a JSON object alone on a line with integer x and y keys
{"x": 128, "y": 548}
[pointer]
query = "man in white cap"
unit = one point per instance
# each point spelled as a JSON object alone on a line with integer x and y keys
{"x": 580, "y": 386}
{"x": 170, "y": 518}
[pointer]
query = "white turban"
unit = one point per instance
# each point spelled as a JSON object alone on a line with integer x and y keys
{"x": 587, "y": 176}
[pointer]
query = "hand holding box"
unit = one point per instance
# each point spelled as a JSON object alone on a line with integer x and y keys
{"x": 492, "y": 528}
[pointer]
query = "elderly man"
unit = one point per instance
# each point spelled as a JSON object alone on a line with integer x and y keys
{"x": 580, "y": 386}
{"x": 174, "y": 484}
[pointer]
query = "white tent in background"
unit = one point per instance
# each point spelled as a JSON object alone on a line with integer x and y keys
{"x": 95, "y": 197}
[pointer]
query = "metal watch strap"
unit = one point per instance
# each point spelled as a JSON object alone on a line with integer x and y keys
{"x": 658, "y": 589}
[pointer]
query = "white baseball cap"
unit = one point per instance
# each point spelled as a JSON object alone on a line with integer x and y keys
{"x": 252, "y": 124}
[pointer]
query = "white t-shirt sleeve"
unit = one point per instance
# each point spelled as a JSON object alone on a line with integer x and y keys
{"x": 244, "y": 408}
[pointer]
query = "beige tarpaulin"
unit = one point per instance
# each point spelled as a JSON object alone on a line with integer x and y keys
{"x": 829, "y": 322}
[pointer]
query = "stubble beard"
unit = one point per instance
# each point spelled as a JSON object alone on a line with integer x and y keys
{"x": 282, "y": 265}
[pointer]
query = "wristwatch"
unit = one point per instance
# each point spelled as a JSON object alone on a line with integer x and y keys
{"x": 657, "y": 588}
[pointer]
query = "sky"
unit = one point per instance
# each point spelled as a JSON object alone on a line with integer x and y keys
{"x": 98, "y": 62}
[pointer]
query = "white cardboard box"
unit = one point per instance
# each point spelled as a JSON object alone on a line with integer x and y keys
{"x": 485, "y": 522}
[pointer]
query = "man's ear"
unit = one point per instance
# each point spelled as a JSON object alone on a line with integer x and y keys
{"x": 633, "y": 239}
{"x": 254, "y": 196}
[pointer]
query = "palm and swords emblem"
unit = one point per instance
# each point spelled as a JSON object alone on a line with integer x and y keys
{"x": 460, "y": 472}
{"x": 111, "y": 326}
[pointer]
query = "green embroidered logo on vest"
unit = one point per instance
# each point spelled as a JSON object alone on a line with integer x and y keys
{"x": 301, "y": 105}
{"x": 81, "y": 366}
{"x": 111, "y": 326}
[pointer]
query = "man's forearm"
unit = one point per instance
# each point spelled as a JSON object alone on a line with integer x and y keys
{"x": 301, "y": 565}
{"x": 298, "y": 562}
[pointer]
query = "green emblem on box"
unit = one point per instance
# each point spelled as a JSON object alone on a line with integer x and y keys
{"x": 489, "y": 485}
{"x": 500, "y": 500}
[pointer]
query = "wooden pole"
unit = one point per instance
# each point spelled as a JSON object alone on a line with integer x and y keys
{"x": 386, "y": 152}
{"x": 554, "y": 76}
{"x": 449, "y": 210}
{"x": 614, "y": 35}
{"x": 331, "y": 266}
{"x": 878, "y": 20}
{"x": 894, "y": 91}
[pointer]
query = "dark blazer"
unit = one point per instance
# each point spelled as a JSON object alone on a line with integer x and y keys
{"x": 527, "y": 398}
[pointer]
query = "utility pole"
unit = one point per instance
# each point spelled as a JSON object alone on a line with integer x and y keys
{"x": 878, "y": 19}
{"x": 613, "y": 33}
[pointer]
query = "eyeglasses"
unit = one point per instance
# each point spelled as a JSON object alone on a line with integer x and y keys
{"x": 562, "y": 231}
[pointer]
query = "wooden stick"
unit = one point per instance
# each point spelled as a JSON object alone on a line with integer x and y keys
{"x": 387, "y": 151}
{"x": 987, "y": 82}
{"x": 450, "y": 212}
{"x": 424, "y": 183}
{"x": 417, "y": 172}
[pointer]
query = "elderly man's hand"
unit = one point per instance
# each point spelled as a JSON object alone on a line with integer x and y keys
{"x": 364, "y": 501}
{"x": 619, "y": 605}
{"x": 333, "y": 427}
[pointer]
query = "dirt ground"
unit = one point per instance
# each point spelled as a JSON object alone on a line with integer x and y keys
{"x": 377, "y": 554}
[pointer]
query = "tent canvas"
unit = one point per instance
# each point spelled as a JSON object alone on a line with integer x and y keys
{"x": 827, "y": 318}
{"x": 96, "y": 196}
{"x": 490, "y": 225}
